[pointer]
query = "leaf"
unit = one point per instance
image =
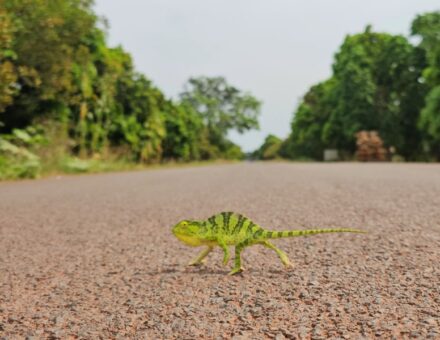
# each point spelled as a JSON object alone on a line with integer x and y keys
{"x": 22, "y": 135}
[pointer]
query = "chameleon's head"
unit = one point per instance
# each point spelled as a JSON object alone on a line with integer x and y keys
{"x": 189, "y": 232}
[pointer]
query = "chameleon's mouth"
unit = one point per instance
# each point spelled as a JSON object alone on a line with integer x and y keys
{"x": 189, "y": 240}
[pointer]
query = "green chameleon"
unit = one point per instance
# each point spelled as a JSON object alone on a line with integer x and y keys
{"x": 228, "y": 228}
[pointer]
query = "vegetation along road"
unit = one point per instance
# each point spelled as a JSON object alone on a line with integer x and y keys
{"x": 94, "y": 255}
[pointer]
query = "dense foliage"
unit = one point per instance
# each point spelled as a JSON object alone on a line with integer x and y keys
{"x": 59, "y": 76}
{"x": 269, "y": 150}
{"x": 68, "y": 99}
{"x": 427, "y": 27}
{"x": 380, "y": 82}
{"x": 222, "y": 108}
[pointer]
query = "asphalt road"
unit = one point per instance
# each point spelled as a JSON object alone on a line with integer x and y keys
{"x": 92, "y": 256}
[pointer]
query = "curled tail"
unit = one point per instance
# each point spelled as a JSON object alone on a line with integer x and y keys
{"x": 294, "y": 233}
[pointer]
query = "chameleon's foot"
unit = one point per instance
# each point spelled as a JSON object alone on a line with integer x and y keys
{"x": 225, "y": 262}
{"x": 288, "y": 265}
{"x": 285, "y": 260}
{"x": 236, "y": 271}
{"x": 196, "y": 263}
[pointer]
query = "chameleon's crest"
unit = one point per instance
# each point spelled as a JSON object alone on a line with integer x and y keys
{"x": 188, "y": 232}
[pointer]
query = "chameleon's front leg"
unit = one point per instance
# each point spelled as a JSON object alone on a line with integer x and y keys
{"x": 199, "y": 259}
{"x": 237, "y": 260}
{"x": 226, "y": 254}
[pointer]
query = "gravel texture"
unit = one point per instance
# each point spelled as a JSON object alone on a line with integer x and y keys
{"x": 93, "y": 257}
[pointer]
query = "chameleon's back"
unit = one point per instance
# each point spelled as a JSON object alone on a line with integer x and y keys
{"x": 231, "y": 227}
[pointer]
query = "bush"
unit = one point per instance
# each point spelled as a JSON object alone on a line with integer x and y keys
{"x": 17, "y": 162}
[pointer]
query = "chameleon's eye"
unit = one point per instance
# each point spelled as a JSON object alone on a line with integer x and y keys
{"x": 184, "y": 223}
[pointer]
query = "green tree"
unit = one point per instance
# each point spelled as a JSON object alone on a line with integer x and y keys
{"x": 427, "y": 27}
{"x": 222, "y": 107}
{"x": 58, "y": 72}
{"x": 46, "y": 35}
{"x": 185, "y": 133}
{"x": 375, "y": 86}
{"x": 430, "y": 122}
{"x": 270, "y": 149}
{"x": 376, "y": 89}
{"x": 306, "y": 140}
{"x": 8, "y": 74}
{"x": 140, "y": 122}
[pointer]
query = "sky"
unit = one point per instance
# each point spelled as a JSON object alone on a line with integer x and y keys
{"x": 273, "y": 49}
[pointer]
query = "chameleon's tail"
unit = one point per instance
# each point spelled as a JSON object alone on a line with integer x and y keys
{"x": 294, "y": 233}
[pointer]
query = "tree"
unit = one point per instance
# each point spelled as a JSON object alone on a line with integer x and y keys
{"x": 427, "y": 27}
{"x": 8, "y": 73}
{"x": 222, "y": 108}
{"x": 305, "y": 140}
{"x": 46, "y": 36}
{"x": 140, "y": 121}
{"x": 375, "y": 86}
{"x": 269, "y": 149}
{"x": 376, "y": 89}
{"x": 430, "y": 121}
{"x": 185, "y": 134}
{"x": 57, "y": 72}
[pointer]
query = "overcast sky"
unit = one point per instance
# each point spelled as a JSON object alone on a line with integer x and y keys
{"x": 275, "y": 49}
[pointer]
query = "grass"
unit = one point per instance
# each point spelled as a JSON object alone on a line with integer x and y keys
{"x": 44, "y": 152}
{"x": 72, "y": 165}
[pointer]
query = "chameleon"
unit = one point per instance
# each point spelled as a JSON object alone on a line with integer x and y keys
{"x": 233, "y": 229}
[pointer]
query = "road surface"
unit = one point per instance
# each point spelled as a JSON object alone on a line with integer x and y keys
{"x": 92, "y": 256}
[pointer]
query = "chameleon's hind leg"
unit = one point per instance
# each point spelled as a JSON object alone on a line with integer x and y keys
{"x": 281, "y": 254}
{"x": 200, "y": 258}
{"x": 237, "y": 260}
